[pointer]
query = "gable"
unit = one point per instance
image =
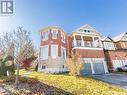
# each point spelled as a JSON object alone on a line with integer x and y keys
{"x": 124, "y": 38}
{"x": 107, "y": 39}
{"x": 86, "y": 29}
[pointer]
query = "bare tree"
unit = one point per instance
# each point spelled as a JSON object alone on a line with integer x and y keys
{"x": 74, "y": 64}
{"x": 17, "y": 44}
{"x": 23, "y": 48}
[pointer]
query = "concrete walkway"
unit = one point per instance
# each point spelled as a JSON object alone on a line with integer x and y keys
{"x": 114, "y": 79}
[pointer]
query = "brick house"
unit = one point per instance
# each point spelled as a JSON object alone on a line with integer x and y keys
{"x": 98, "y": 54}
{"x": 53, "y": 47}
{"x": 87, "y": 43}
{"x": 115, "y": 50}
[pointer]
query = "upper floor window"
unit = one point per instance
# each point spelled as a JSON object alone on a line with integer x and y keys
{"x": 54, "y": 34}
{"x": 63, "y": 37}
{"x": 45, "y": 36}
{"x": 88, "y": 31}
{"x": 44, "y": 52}
{"x": 109, "y": 45}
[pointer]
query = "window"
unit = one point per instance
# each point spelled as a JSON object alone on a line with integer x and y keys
{"x": 54, "y": 34}
{"x": 63, "y": 66}
{"x": 44, "y": 52}
{"x": 45, "y": 36}
{"x": 43, "y": 67}
{"x": 88, "y": 31}
{"x": 63, "y": 53}
{"x": 54, "y": 51}
{"x": 63, "y": 37}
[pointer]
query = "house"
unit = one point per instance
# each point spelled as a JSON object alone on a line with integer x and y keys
{"x": 56, "y": 44}
{"x": 87, "y": 43}
{"x": 53, "y": 47}
{"x": 99, "y": 55}
{"x": 115, "y": 50}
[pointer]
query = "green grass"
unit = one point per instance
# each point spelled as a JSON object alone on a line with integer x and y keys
{"x": 78, "y": 85}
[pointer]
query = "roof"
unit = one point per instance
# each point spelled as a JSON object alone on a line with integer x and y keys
{"x": 84, "y": 27}
{"x": 119, "y": 37}
{"x": 51, "y": 27}
{"x": 107, "y": 38}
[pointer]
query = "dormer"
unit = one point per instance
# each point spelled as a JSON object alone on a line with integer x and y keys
{"x": 108, "y": 43}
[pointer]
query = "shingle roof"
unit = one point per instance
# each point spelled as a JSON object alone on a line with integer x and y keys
{"x": 119, "y": 37}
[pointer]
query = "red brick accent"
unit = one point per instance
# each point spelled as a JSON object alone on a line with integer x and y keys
{"x": 85, "y": 53}
{"x": 57, "y": 41}
{"x": 115, "y": 55}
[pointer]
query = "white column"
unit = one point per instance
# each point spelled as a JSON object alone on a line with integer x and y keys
{"x": 93, "y": 42}
{"x": 74, "y": 41}
{"x": 100, "y": 43}
{"x": 82, "y": 41}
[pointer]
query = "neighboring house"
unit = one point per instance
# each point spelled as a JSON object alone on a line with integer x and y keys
{"x": 87, "y": 43}
{"x": 116, "y": 51}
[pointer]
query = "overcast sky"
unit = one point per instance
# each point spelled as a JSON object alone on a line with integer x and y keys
{"x": 109, "y": 17}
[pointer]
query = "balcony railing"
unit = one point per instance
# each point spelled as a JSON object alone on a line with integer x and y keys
{"x": 86, "y": 44}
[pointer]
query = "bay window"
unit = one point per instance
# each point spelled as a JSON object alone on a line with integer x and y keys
{"x": 63, "y": 52}
{"x": 44, "y": 52}
{"x": 63, "y": 37}
{"x": 54, "y": 34}
{"x": 54, "y": 51}
{"x": 45, "y": 36}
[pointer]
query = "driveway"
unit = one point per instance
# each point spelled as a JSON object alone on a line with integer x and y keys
{"x": 114, "y": 79}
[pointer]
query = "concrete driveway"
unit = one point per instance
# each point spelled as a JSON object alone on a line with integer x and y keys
{"x": 114, "y": 79}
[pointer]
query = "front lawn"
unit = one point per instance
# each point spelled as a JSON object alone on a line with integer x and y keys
{"x": 77, "y": 86}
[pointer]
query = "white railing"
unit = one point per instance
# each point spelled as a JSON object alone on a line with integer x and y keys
{"x": 78, "y": 43}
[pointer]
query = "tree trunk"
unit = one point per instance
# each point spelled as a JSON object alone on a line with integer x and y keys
{"x": 17, "y": 77}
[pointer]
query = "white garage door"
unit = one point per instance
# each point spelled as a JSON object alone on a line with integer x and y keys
{"x": 86, "y": 69}
{"x": 98, "y": 68}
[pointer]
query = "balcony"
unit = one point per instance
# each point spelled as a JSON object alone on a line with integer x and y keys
{"x": 89, "y": 42}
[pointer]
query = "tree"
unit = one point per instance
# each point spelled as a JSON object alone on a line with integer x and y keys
{"x": 24, "y": 48}
{"x": 18, "y": 45}
{"x": 74, "y": 64}
{"x": 27, "y": 62}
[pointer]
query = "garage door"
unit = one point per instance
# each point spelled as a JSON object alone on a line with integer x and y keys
{"x": 98, "y": 68}
{"x": 86, "y": 69}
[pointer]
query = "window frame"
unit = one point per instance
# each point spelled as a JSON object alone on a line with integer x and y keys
{"x": 52, "y": 56}
{"x": 65, "y": 52}
{"x": 63, "y": 36}
{"x": 43, "y": 36}
{"x": 52, "y": 31}
{"x": 42, "y": 56}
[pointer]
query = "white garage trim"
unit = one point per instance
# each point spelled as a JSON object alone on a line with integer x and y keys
{"x": 93, "y": 72}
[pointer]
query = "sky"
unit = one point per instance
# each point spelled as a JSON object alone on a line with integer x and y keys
{"x": 109, "y": 17}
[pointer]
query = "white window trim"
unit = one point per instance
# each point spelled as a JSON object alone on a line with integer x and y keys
{"x": 47, "y": 46}
{"x": 43, "y": 35}
{"x": 64, "y": 37}
{"x": 65, "y": 51}
{"x": 56, "y": 33}
{"x": 56, "y": 51}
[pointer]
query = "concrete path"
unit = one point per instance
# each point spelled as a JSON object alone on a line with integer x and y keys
{"x": 114, "y": 79}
